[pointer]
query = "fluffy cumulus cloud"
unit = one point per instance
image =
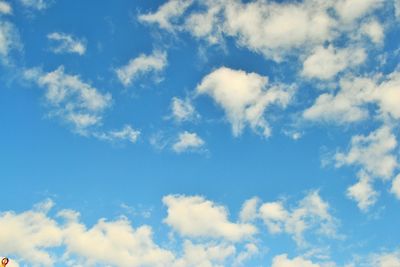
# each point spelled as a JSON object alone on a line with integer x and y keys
{"x": 206, "y": 237}
{"x": 71, "y": 99}
{"x": 188, "y": 142}
{"x": 374, "y": 156}
{"x": 350, "y": 10}
{"x": 284, "y": 261}
{"x": 66, "y": 43}
{"x": 312, "y": 212}
{"x": 326, "y": 62}
{"x": 5, "y": 8}
{"x": 396, "y": 186}
{"x": 273, "y": 29}
{"x": 245, "y": 97}
{"x": 195, "y": 216}
{"x": 141, "y": 65}
{"x": 33, "y": 225}
{"x": 372, "y": 153}
{"x": 356, "y": 98}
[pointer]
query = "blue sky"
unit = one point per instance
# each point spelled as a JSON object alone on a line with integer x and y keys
{"x": 200, "y": 133}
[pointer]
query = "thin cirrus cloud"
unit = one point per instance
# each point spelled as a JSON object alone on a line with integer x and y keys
{"x": 66, "y": 43}
{"x": 203, "y": 228}
{"x": 141, "y": 65}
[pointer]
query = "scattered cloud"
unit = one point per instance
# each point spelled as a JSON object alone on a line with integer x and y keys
{"x": 126, "y": 133}
{"x": 66, "y": 43}
{"x": 69, "y": 98}
{"x": 188, "y": 142}
{"x": 374, "y": 30}
{"x": 36, "y": 4}
{"x": 396, "y": 186}
{"x": 244, "y": 97}
{"x": 141, "y": 65}
{"x": 356, "y": 97}
{"x": 312, "y": 212}
{"x": 284, "y": 261}
{"x": 326, "y": 62}
{"x": 194, "y": 216}
{"x": 166, "y": 13}
{"x": 183, "y": 110}
{"x": 363, "y": 192}
{"x": 350, "y": 10}
{"x": 373, "y": 154}
{"x": 5, "y": 8}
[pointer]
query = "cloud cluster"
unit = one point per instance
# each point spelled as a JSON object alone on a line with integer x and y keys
{"x": 374, "y": 155}
{"x": 206, "y": 235}
{"x": 71, "y": 99}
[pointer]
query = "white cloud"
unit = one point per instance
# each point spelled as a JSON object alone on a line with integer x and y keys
{"x": 42, "y": 232}
{"x": 126, "y": 133}
{"x": 207, "y": 255}
{"x": 63, "y": 239}
{"x": 397, "y": 8}
{"x": 249, "y": 211}
{"x": 250, "y": 251}
{"x": 363, "y": 192}
{"x": 372, "y": 153}
{"x": 141, "y": 65}
{"x": 188, "y": 141}
{"x": 166, "y": 13}
{"x": 194, "y": 216}
{"x": 71, "y": 99}
{"x": 182, "y": 110}
{"x": 36, "y": 4}
{"x": 284, "y": 261}
{"x": 350, "y": 10}
{"x": 114, "y": 243}
{"x": 396, "y": 186}
{"x": 67, "y": 43}
{"x": 374, "y": 30}
{"x": 244, "y": 97}
{"x": 388, "y": 259}
{"x": 312, "y": 212}
{"x": 326, "y": 62}
{"x": 9, "y": 41}
{"x": 5, "y": 8}
{"x": 350, "y": 103}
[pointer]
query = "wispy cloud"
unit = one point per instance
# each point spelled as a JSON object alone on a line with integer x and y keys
{"x": 66, "y": 43}
{"x": 142, "y": 65}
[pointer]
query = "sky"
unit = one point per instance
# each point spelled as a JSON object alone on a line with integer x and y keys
{"x": 200, "y": 133}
